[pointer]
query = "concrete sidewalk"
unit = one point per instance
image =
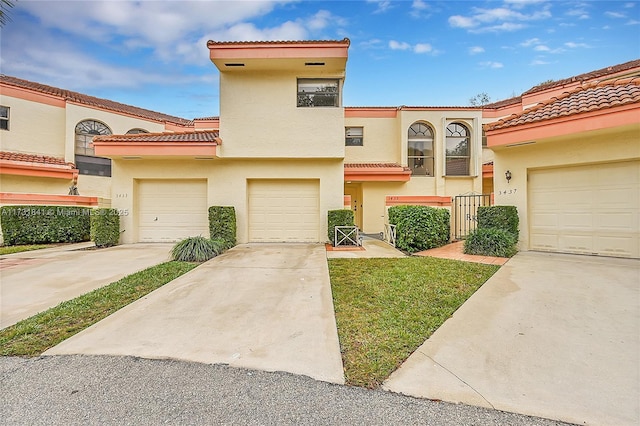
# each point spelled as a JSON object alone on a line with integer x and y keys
{"x": 261, "y": 306}
{"x": 549, "y": 335}
{"x": 35, "y": 281}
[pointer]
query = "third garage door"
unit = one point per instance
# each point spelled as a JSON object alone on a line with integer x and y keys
{"x": 592, "y": 209}
{"x": 284, "y": 210}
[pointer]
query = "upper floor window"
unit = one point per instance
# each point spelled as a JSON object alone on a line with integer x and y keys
{"x": 420, "y": 149}
{"x": 458, "y": 150}
{"x": 318, "y": 92}
{"x": 85, "y": 131}
{"x": 353, "y": 136}
{"x": 4, "y": 118}
{"x": 137, "y": 131}
{"x": 86, "y": 161}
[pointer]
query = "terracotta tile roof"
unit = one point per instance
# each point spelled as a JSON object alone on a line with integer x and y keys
{"x": 374, "y": 166}
{"x": 195, "y": 136}
{"x": 590, "y": 97}
{"x": 516, "y": 100}
{"x": 345, "y": 41}
{"x": 33, "y": 158}
{"x": 92, "y": 101}
{"x": 614, "y": 69}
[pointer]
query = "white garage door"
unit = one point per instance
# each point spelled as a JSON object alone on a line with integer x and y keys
{"x": 170, "y": 210}
{"x": 591, "y": 209}
{"x": 284, "y": 210}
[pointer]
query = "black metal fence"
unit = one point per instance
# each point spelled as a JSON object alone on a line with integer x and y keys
{"x": 465, "y": 209}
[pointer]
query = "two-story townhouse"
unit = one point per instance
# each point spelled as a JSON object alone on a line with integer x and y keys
{"x": 46, "y": 155}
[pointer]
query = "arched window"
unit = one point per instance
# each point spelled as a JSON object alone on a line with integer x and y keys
{"x": 137, "y": 131}
{"x": 420, "y": 149}
{"x": 458, "y": 150}
{"x": 86, "y": 161}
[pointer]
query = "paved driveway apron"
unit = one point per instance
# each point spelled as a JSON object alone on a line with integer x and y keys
{"x": 34, "y": 281}
{"x": 549, "y": 335}
{"x": 262, "y": 306}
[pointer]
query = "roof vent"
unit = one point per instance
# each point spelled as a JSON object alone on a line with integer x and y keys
{"x": 234, "y": 64}
{"x": 314, "y": 64}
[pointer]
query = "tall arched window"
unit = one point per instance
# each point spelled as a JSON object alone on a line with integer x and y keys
{"x": 86, "y": 161}
{"x": 458, "y": 150}
{"x": 137, "y": 131}
{"x": 420, "y": 149}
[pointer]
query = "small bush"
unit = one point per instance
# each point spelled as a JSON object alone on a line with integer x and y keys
{"x": 342, "y": 217}
{"x": 490, "y": 242}
{"x": 222, "y": 225}
{"x": 499, "y": 217}
{"x": 420, "y": 227}
{"x": 196, "y": 249}
{"x": 44, "y": 224}
{"x": 105, "y": 227}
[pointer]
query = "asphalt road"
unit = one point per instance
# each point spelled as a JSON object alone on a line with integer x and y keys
{"x": 104, "y": 390}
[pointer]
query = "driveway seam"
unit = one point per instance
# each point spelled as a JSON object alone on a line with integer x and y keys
{"x": 459, "y": 378}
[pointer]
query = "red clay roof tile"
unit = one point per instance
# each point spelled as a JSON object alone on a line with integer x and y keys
{"x": 92, "y": 101}
{"x": 33, "y": 158}
{"x": 195, "y": 136}
{"x": 590, "y": 97}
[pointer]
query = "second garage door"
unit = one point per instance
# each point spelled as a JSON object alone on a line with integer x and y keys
{"x": 592, "y": 209}
{"x": 170, "y": 210}
{"x": 284, "y": 210}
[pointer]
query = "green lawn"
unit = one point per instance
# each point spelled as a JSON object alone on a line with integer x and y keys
{"x": 386, "y": 308}
{"x": 38, "y": 333}
{"x": 19, "y": 249}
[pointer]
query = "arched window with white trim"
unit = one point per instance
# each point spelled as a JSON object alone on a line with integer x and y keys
{"x": 86, "y": 161}
{"x": 458, "y": 150}
{"x": 420, "y": 149}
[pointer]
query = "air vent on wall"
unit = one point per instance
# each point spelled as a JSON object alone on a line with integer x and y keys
{"x": 234, "y": 64}
{"x": 314, "y": 64}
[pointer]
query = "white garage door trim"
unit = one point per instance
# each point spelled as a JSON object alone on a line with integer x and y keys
{"x": 283, "y": 210}
{"x": 587, "y": 209}
{"x": 171, "y": 209}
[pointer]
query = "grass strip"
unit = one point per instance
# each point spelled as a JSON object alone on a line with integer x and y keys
{"x": 20, "y": 249}
{"x": 386, "y": 308}
{"x": 34, "y": 335}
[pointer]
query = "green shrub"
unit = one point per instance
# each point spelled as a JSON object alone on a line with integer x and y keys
{"x": 490, "y": 242}
{"x": 420, "y": 227}
{"x": 44, "y": 224}
{"x": 499, "y": 217}
{"x": 196, "y": 249}
{"x": 342, "y": 217}
{"x": 222, "y": 225}
{"x": 105, "y": 227}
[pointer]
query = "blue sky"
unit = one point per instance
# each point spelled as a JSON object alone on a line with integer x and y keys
{"x": 153, "y": 54}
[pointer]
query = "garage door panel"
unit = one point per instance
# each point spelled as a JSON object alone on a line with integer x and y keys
{"x": 591, "y": 209}
{"x": 171, "y": 210}
{"x": 283, "y": 210}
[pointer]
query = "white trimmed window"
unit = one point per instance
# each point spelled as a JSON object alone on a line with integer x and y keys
{"x": 4, "y": 118}
{"x": 353, "y": 136}
{"x": 420, "y": 149}
{"x": 458, "y": 150}
{"x": 318, "y": 92}
{"x": 86, "y": 161}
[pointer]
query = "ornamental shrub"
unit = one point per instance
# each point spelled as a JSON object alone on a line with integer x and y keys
{"x": 342, "y": 217}
{"x": 196, "y": 249}
{"x": 44, "y": 224}
{"x": 105, "y": 227}
{"x": 490, "y": 242}
{"x": 499, "y": 217}
{"x": 222, "y": 225}
{"x": 420, "y": 227}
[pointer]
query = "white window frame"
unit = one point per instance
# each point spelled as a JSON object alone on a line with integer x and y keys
{"x": 354, "y": 136}
{"x": 315, "y": 92}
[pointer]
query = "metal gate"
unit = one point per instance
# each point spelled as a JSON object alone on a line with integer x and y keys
{"x": 465, "y": 210}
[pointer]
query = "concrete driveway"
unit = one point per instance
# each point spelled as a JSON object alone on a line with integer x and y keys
{"x": 35, "y": 281}
{"x": 549, "y": 335}
{"x": 260, "y": 306}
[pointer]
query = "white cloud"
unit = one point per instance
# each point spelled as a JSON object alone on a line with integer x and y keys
{"x": 475, "y": 50}
{"x": 422, "y": 48}
{"x": 491, "y": 64}
{"x": 539, "y": 62}
{"x": 382, "y": 5}
{"x": 541, "y": 48}
{"x": 531, "y": 42}
{"x": 419, "y": 9}
{"x": 573, "y": 45}
{"x": 500, "y": 19}
{"x": 397, "y": 45}
{"x": 615, "y": 15}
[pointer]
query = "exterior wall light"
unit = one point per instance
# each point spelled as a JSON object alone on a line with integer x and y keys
{"x": 507, "y": 175}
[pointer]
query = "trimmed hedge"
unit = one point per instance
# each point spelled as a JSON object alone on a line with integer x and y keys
{"x": 222, "y": 225}
{"x": 342, "y": 217}
{"x": 499, "y": 217}
{"x": 105, "y": 227}
{"x": 491, "y": 242}
{"x": 420, "y": 227}
{"x": 44, "y": 224}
